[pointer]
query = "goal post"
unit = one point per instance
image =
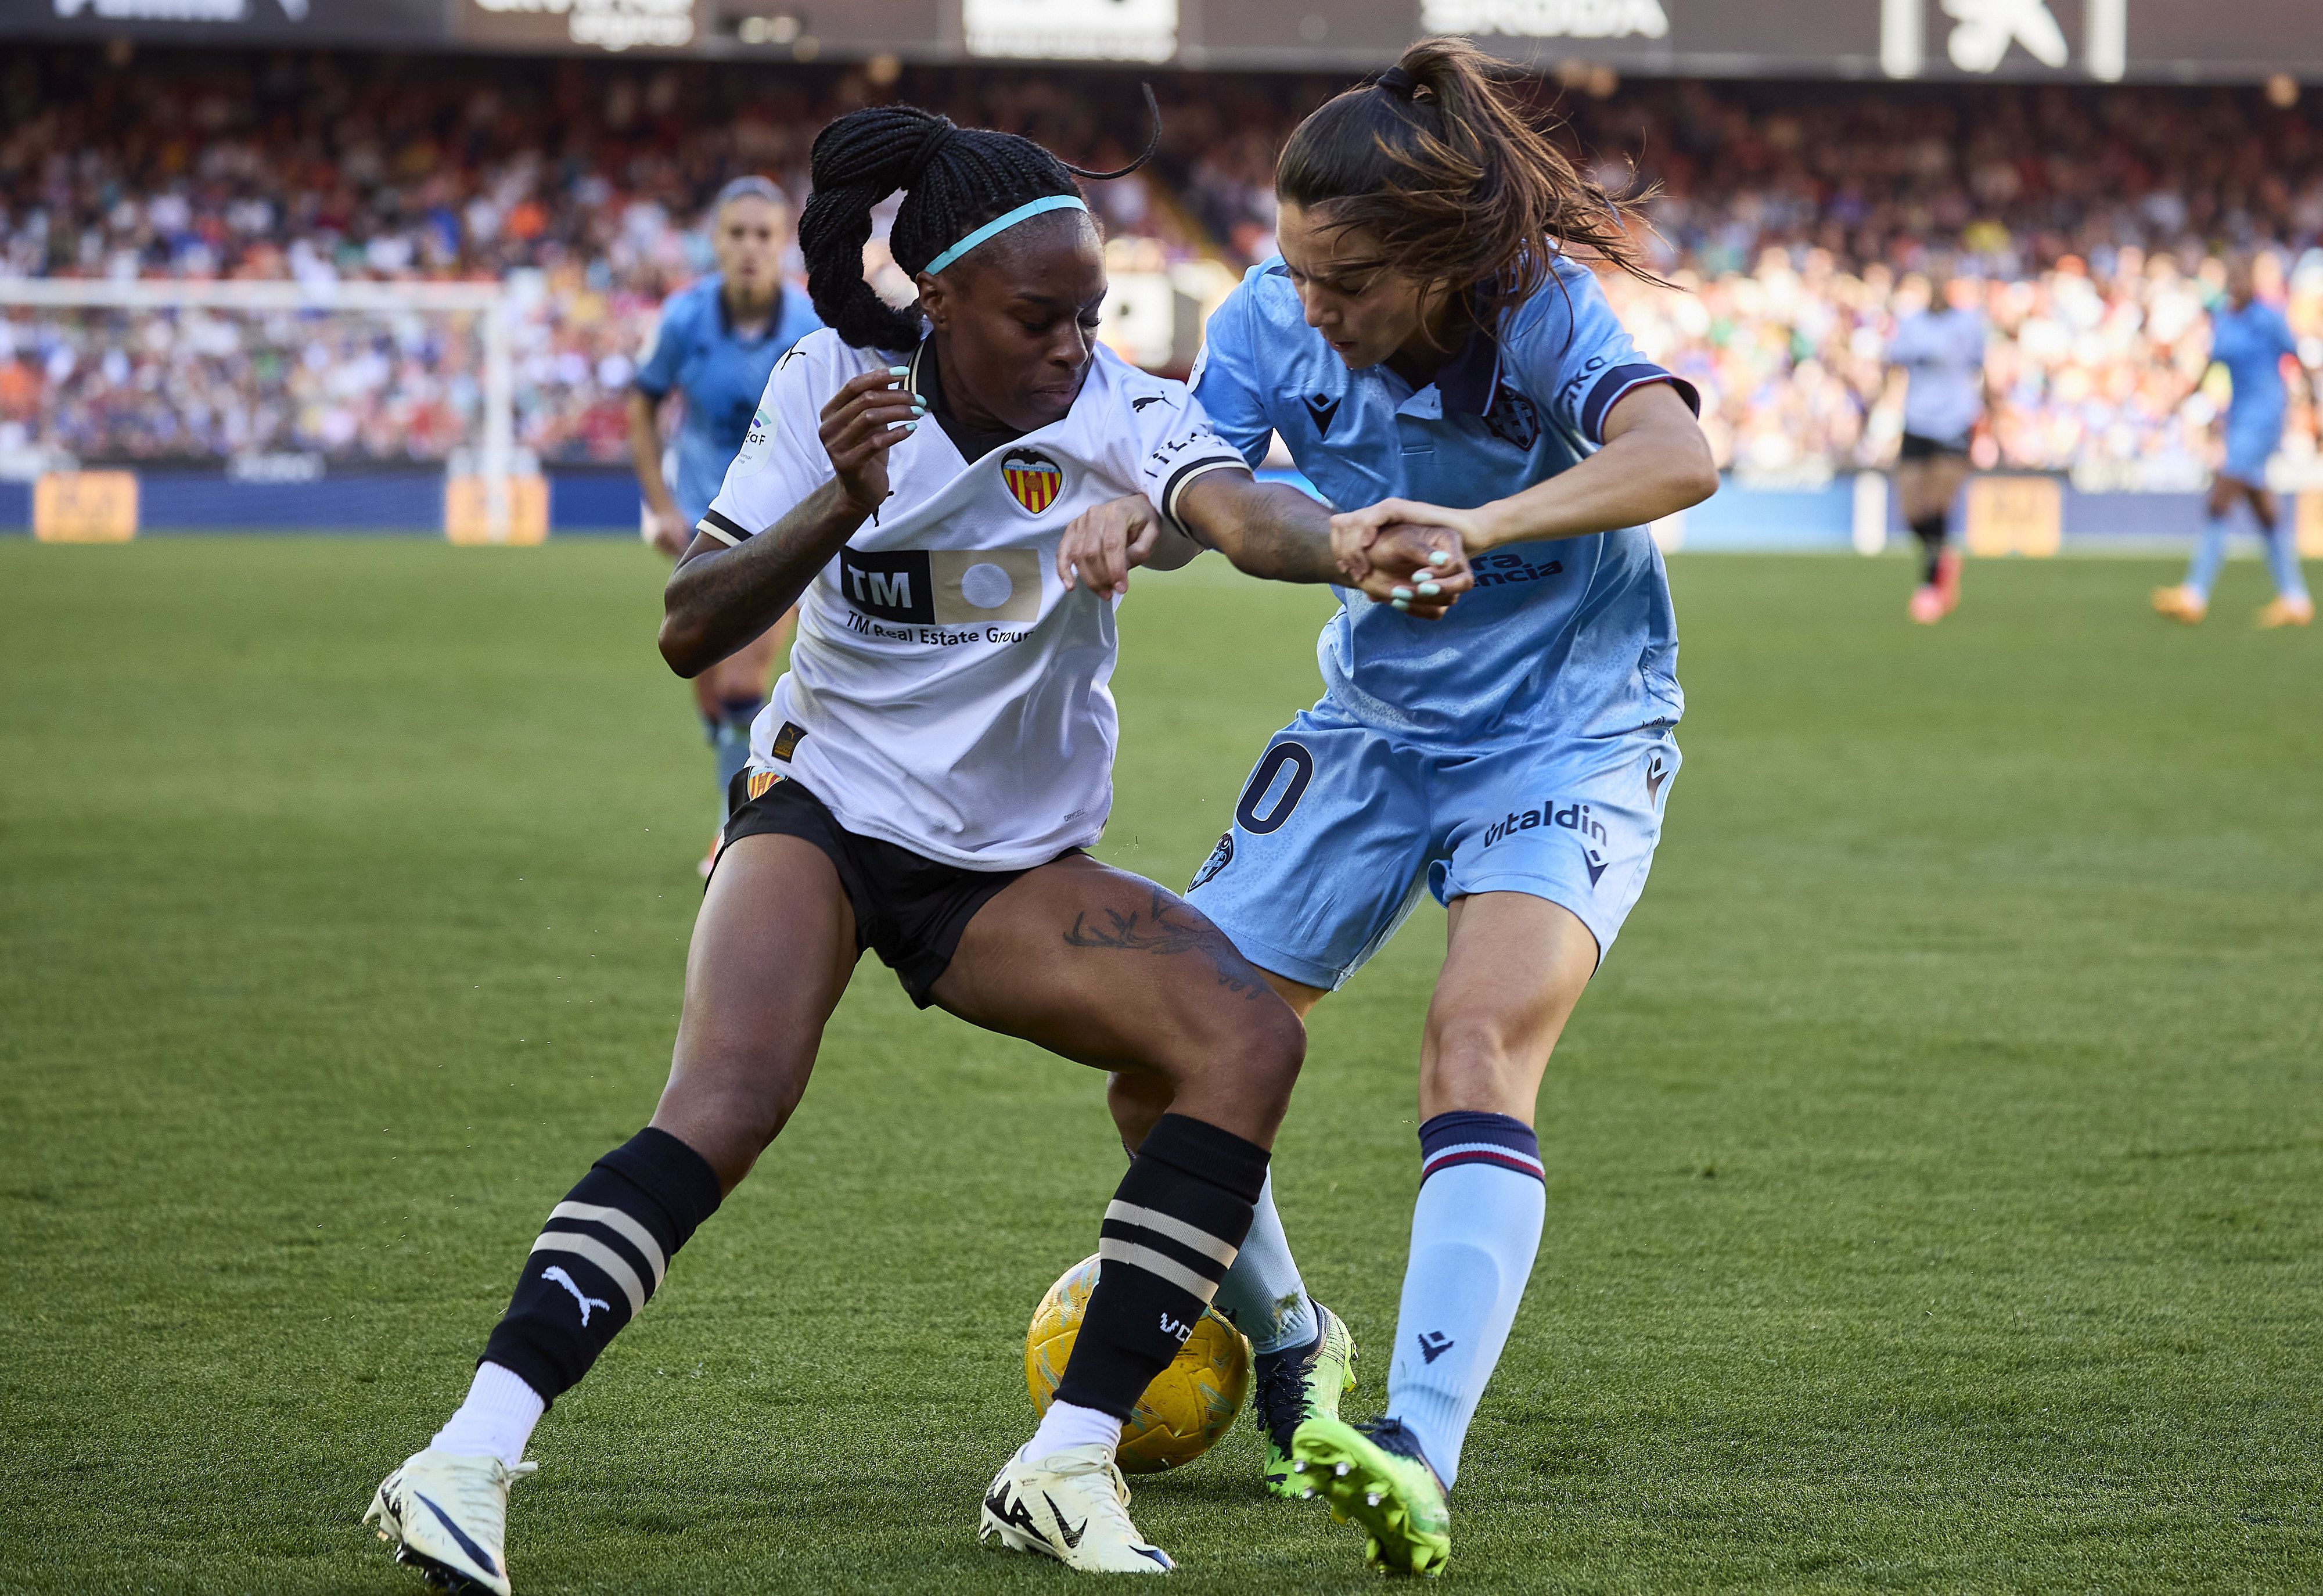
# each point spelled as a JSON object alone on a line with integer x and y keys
{"x": 488, "y": 494}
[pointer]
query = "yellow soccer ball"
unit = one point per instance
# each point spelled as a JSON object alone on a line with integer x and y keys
{"x": 1189, "y": 1406}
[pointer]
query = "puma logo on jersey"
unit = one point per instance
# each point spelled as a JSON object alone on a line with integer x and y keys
{"x": 1143, "y": 399}
{"x": 554, "y": 1273}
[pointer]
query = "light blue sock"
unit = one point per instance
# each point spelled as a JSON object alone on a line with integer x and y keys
{"x": 1474, "y": 1231}
{"x": 2209, "y": 554}
{"x": 1262, "y": 1293}
{"x": 730, "y": 740}
{"x": 2283, "y": 560}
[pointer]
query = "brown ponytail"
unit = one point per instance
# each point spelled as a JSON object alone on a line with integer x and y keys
{"x": 1439, "y": 160}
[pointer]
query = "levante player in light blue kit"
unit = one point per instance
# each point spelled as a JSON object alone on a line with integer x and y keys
{"x": 1434, "y": 352}
{"x": 2250, "y": 338}
{"x": 717, "y": 343}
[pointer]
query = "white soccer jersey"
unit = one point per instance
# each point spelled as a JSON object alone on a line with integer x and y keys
{"x": 946, "y": 693}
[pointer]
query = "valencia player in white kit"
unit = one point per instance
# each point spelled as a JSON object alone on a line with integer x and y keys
{"x": 923, "y": 785}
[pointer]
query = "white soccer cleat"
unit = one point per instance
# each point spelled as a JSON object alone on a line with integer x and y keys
{"x": 446, "y": 1515}
{"x": 1072, "y": 1505}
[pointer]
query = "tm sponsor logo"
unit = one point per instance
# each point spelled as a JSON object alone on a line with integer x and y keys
{"x": 934, "y": 637}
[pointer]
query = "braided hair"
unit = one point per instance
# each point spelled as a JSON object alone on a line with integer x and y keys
{"x": 954, "y": 180}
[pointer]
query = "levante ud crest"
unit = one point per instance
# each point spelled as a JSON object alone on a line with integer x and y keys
{"x": 1034, "y": 479}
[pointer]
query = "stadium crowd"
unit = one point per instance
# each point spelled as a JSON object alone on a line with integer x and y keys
{"x": 1795, "y": 224}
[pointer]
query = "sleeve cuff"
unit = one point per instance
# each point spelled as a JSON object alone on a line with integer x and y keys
{"x": 1623, "y": 381}
{"x": 725, "y": 529}
{"x": 1175, "y": 487}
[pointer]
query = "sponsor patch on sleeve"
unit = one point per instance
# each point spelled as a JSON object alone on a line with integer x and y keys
{"x": 757, "y": 444}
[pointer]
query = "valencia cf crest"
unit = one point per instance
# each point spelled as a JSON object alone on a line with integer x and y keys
{"x": 1034, "y": 479}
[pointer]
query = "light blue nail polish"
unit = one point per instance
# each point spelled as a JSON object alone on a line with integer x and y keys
{"x": 899, "y": 370}
{"x": 1428, "y": 590}
{"x": 1439, "y": 558}
{"x": 919, "y": 410}
{"x": 1401, "y": 592}
{"x": 1399, "y": 604}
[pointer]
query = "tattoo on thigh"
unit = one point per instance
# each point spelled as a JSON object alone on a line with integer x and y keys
{"x": 1167, "y": 926}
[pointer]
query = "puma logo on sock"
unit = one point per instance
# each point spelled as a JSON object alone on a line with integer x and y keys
{"x": 554, "y": 1273}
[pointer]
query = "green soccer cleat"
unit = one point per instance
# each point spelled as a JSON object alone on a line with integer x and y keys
{"x": 1376, "y": 1476}
{"x": 1294, "y": 1387}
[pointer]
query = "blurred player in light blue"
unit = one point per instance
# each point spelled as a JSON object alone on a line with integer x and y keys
{"x": 717, "y": 343}
{"x": 2250, "y": 338}
{"x": 1433, "y": 351}
{"x": 1940, "y": 353}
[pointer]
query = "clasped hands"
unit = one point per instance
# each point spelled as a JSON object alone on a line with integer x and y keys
{"x": 1418, "y": 568}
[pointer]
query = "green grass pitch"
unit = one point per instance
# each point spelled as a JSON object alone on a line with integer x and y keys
{"x": 1936, "y": 1171}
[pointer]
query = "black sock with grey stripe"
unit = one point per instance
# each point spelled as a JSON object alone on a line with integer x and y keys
{"x": 1170, "y": 1233}
{"x": 603, "y": 1253}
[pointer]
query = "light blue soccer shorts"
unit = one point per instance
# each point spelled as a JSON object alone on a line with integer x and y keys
{"x": 1339, "y": 827}
{"x": 2254, "y": 433}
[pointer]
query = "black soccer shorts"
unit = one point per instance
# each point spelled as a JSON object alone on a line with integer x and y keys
{"x": 909, "y": 909}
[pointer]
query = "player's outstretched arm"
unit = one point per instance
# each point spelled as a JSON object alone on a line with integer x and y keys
{"x": 1267, "y": 530}
{"x": 1655, "y": 463}
{"x": 670, "y": 532}
{"x": 720, "y": 597}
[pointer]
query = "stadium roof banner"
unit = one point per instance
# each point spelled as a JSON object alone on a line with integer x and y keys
{"x": 420, "y": 23}
{"x": 1071, "y": 29}
{"x": 1958, "y": 40}
{"x": 612, "y": 25}
{"x": 2065, "y": 41}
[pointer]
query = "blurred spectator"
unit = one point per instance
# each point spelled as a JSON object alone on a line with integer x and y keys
{"x": 1794, "y": 221}
{"x": 579, "y": 181}
{"x": 2101, "y": 371}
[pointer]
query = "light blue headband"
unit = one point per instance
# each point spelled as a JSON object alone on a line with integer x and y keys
{"x": 999, "y": 224}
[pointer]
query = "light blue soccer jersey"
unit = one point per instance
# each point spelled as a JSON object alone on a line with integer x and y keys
{"x": 695, "y": 352}
{"x": 2251, "y": 342}
{"x": 1575, "y": 634}
{"x": 1942, "y": 351}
